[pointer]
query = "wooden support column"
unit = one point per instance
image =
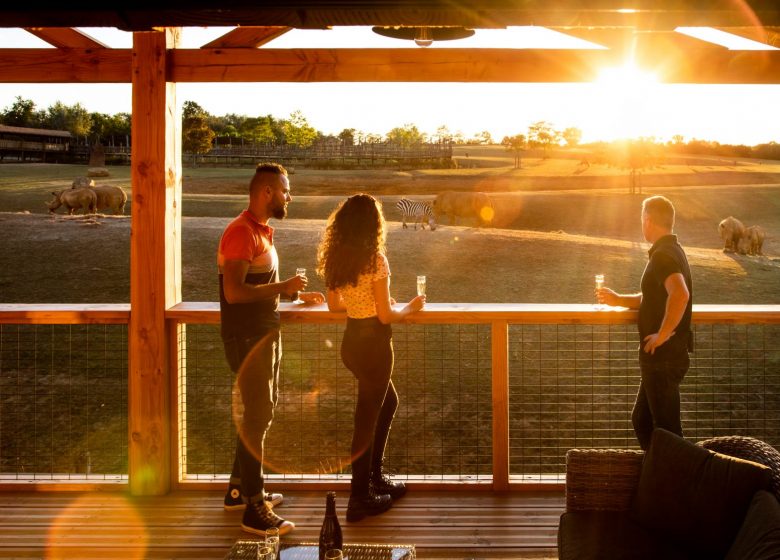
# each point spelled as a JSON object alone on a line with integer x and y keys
{"x": 155, "y": 259}
{"x": 500, "y": 369}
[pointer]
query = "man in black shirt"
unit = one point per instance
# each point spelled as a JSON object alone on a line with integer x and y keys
{"x": 665, "y": 336}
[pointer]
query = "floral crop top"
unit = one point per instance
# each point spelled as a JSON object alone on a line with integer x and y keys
{"x": 359, "y": 299}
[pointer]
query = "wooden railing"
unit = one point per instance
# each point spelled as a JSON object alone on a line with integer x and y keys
{"x": 498, "y": 316}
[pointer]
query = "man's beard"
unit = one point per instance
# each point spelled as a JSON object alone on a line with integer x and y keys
{"x": 279, "y": 212}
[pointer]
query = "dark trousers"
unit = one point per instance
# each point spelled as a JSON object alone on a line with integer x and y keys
{"x": 367, "y": 351}
{"x": 256, "y": 360}
{"x": 658, "y": 400}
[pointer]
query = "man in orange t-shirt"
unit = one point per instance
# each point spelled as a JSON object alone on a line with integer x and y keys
{"x": 249, "y": 290}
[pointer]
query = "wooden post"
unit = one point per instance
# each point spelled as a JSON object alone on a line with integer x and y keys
{"x": 155, "y": 259}
{"x": 500, "y": 376}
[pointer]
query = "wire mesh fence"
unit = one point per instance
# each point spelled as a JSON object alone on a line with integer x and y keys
{"x": 63, "y": 399}
{"x": 442, "y": 429}
{"x": 63, "y": 402}
{"x": 575, "y": 386}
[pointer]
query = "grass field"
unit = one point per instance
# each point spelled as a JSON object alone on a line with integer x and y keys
{"x": 544, "y": 245}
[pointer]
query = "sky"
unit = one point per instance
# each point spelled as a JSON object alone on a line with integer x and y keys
{"x": 622, "y": 103}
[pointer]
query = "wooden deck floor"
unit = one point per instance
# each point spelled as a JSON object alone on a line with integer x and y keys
{"x": 193, "y": 524}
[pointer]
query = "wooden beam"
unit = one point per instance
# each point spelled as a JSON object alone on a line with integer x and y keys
{"x": 155, "y": 259}
{"x": 66, "y": 38}
{"x": 625, "y": 39}
{"x": 673, "y": 63}
{"x": 246, "y": 37}
{"x": 75, "y": 66}
{"x": 500, "y": 398}
{"x": 766, "y": 35}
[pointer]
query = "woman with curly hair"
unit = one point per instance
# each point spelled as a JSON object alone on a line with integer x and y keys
{"x": 352, "y": 261}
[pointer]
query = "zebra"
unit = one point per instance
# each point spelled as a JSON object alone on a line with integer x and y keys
{"x": 416, "y": 211}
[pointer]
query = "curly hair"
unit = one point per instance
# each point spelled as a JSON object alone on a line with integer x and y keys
{"x": 354, "y": 236}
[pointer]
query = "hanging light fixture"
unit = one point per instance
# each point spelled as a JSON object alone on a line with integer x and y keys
{"x": 424, "y": 36}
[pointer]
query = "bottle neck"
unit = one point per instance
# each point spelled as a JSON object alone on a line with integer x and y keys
{"x": 330, "y": 505}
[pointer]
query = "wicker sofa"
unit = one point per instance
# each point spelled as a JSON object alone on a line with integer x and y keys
{"x": 678, "y": 501}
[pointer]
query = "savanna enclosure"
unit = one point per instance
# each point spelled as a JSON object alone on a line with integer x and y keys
{"x": 557, "y": 222}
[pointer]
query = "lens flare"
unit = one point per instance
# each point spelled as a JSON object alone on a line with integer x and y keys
{"x": 66, "y": 533}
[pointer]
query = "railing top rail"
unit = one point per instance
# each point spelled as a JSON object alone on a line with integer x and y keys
{"x": 517, "y": 313}
{"x": 64, "y": 313}
{"x": 434, "y": 313}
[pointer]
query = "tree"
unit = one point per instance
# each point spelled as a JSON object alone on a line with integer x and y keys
{"x": 634, "y": 155}
{"x": 515, "y": 144}
{"x": 197, "y": 135}
{"x": 347, "y": 136}
{"x": 542, "y": 135}
{"x": 572, "y": 136}
{"x": 406, "y": 136}
{"x": 484, "y": 138}
{"x": 73, "y": 118}
{"x": 258, "y": 130}
{"x": 298, "y": 131}
{"x": 443, "y": 134}
{"x": 20, "y": 113}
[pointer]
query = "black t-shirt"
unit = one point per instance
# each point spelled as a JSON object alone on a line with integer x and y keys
{"x": 666, "y": 257}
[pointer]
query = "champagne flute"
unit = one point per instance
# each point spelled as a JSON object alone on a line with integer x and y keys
{"x": 272, "y": 540}
{"x": 599, "y": 284}
{"x": 421, "y": 285}
{"x": 264, "y": 552}
{"x": 299, "y": 272}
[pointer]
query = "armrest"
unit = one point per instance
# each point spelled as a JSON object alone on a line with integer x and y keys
{"x": 601, "y": 479}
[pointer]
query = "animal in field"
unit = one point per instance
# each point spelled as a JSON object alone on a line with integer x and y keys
{"x": 752, "y": 242}
{"x": 473, "y": 205}
{"x": 416, "y": 212}
{"x": 731, "y": 231}
{"x": 111, "y": 197}
{"x": 81, "y": 182}
{"x": 74, "y": 199}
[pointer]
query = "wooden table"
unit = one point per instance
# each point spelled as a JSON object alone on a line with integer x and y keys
{"x": 247, "y": 550}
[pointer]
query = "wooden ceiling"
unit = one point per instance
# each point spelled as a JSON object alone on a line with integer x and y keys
{"x": 641, "y": 30}
{"x": 640, "y": 14}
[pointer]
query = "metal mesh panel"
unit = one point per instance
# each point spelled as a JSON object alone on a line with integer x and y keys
{"x": 442, "y": 429}
{"x": 63, "y": 402}
{"x": 575, "y": 386}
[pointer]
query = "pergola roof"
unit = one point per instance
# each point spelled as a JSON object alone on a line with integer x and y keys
{"x": 640, "y": 30}
{"x": 663, "y": 15}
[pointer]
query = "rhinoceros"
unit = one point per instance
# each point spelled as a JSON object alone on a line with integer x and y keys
{"x": 81, "y": 182}
{"x": 109, "y": 196}
{"x": 476, "y": 205}
{"x": 73, "y": 199}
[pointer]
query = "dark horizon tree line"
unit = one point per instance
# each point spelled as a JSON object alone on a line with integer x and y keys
{"x": 201, "y": 131}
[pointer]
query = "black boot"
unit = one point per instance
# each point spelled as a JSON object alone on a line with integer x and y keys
{"x": 370, "y": 504}
{"x": 382, "y": 484}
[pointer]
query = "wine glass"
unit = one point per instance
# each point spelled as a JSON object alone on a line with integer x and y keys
{"x": 421, "y": 285}
{"x": 265, "y": 552}
{"x": 599, "y": 284}
{"x": 299, "y": 272}
{"x": 334, "y": 554}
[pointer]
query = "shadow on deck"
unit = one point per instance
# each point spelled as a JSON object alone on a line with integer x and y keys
{"x": 192, "y": 524}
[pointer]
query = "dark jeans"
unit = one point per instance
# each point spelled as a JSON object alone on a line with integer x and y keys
{"x": 256, "y": 361}
{"x": 367, "y": 351}
{"x": 658, "y": 400}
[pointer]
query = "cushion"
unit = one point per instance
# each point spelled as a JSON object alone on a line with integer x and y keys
{"x": 751, "y": 449}
{"x": 600, "y": 535}
{"x": 695, "y": 496}
{"x": 759, "y": 536}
